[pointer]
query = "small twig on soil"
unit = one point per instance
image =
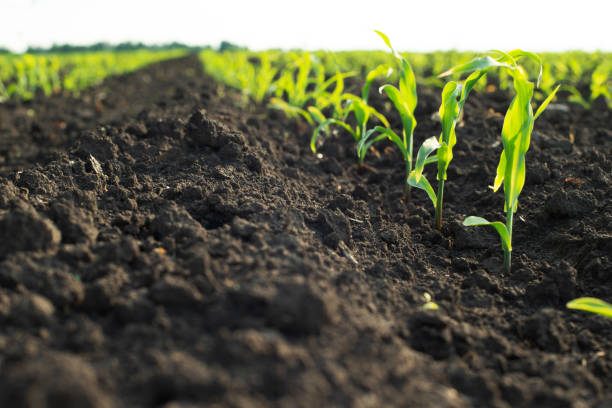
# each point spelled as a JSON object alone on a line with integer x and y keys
{"x": 347, "y": 253}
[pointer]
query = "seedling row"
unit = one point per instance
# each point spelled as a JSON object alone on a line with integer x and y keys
{"x": 312, "y": 87}
{"x": 23, "y": 76}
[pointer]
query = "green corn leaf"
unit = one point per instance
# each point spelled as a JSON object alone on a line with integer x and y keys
{"x": 431, "y": 160}
{"x": 505, "y": 57}
{"x": 429, "y": 146}
{"x": 362, "y": 115}
{"x": 372, "y": 75}
{"x": 516, "y": 133}
{"x": 546, "y": 102}
{"x": 499, "y": 227}
{"x": 423, "y": 184}
{"x": 576, "y": 96}
{"x": 449, "y": 110}
{"x": 290, "y": 110}
{"x": 501, "y": 170}
{"x": 406, "y": 114}
{"x": 285, "y": 86}
{"x": 593, "y": 305}
{"x": 520, "y": 53}
{"x": 468, "y": 85}
{"x": 316, "y": 114}
{"x": 407, "y": 82}
{"x": 350, "y": 97}
{"x": 396, "y": 97}
{"x": 368, "y": 140}
{"x": 304, "y": 114}
{"x": 350, "y": 100}
{"x": 324, "y": 125}
{"x": 476, "y": 64}
{"x": 394, "y": 138}
{"x": 445, "y": 155}
{"x": 449, "y": 114}
{"x": 336, "y": 96}
{"x": 416, "y": 178}
{"x": 379, "y": 116}
{"x": 407, "y": 85}
{"x": 388, "y": 42}
{"x": 338, "y": 79}
{"x": 302, "y": 80}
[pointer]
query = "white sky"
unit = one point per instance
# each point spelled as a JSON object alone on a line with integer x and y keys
{"x": 422, "y": 25}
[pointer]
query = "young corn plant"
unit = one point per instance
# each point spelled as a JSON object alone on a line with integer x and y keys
{"x": 454, "y": 96}
{"x": 302, "y": 89}
{"x": 259, "y": 79}
{"x": 404, "y": 99}
{"x": 516, "y": 135}
{"x": 601, "y": 82}
{"x": 320, "y": 96}
{"x": 356, "y": 105}
{"x": 292, "y": 84}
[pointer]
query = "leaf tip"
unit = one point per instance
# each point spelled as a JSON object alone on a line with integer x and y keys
{"x": 445, "y": 73}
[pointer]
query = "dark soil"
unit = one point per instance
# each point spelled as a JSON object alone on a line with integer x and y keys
{"x": 163, "y": 245}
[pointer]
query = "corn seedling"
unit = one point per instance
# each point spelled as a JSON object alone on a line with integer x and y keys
{"x": 454, "y": 96}
{"x": 303, "y": 83}
{"x": 362, "y": 113}
{"x": 361, "y": 110}
{"x": 601, "y": 82}
{"x": 575, "y": 96}
{"x": 259, "y": 79}
{"x": 404, "y": 99}
{"x": 429, "y": 304}
{"x": 321, "y": 98}
{"x": 516, "y": 135}
{"x": 252, "y": 73}
{"x": 593, "y": 305}
{"x": 292, "y": 85}
{"x": 574, "y": 68}
{"x": 23, "y": 76}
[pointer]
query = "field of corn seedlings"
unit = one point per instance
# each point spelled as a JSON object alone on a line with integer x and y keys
{"x": 24, "y": 76}
{"x": 306, "y": 229}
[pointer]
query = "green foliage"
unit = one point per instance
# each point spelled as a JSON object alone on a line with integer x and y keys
{"x": 516, "y": 136}
{"x": 312, "y": 86}
{"x": 362, "y": 112}
{"x": 500, "y": 227}
{"x": 454, "y": 96}
{"x": 593, "y": 305}
{"x": 601, "y": 82}
{"x": 584, "y": 76}
{"x": 23, "y": 76}
{"x": 252, "y": 74}
{"x": 404, "y": 98}
{"x": 314, "y": 92}
{"x": 345, "y": 103}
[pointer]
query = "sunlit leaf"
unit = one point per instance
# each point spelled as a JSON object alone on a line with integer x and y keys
{"x": 592, "y": 305}
{"x": 499, "y": 227}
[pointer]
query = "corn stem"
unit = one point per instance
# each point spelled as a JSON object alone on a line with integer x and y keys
{"x": 439, "y": 201}
{"x": 406, "y": 185}
{"x": 508, "y": 252}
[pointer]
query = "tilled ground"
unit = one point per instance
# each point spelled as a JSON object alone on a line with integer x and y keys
{"x": 162, "y": 245}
